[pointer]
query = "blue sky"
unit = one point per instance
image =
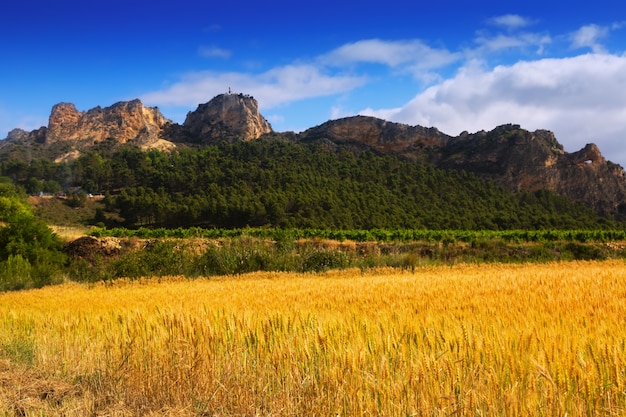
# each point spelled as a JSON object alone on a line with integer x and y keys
{"x": 449, "y": 64}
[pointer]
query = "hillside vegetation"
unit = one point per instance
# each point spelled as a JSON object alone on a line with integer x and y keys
{"x": 271, "y": 183}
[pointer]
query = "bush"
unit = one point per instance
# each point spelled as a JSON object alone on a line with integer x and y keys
{"x": 318, "y": 260}
{"x": 30, "y": 249}
{"x": 81, "y": 270}
{"x": 15, "y": 274}
{"x": 236, "y": 256}
{"x": 584, "y": 252}
{"x": 158, "y": 258}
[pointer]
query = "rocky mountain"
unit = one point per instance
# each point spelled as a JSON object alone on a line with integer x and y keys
{"x": 521, "y": 160}
{"x": 124, "y": 121}
{"x": 508, "y": 155}
{"x": 364, "y": 132}
{"x": 70, "y": 132}
{"x": 226, "y": 117}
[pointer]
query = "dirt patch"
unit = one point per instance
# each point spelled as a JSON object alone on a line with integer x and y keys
{"x": 91, "y": 248}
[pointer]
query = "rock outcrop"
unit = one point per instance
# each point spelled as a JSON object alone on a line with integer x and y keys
{"x": 227, "y": 117}
{"x": 513, "y": 158}
{"x": 521, "y": 160}
{"x": 379, "y": 135}
{"x": 123, "y": 121}
{"x": 90, "y": 248}
{"x": 70, "y": 132}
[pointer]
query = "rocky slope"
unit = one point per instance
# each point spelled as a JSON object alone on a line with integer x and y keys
{"x": 508, "y": 155}
{"x": 226, "y": 117}
{"x": 363, "y": 132}
{"x": 521, "y": 160}
{"x": 70, "y": 132}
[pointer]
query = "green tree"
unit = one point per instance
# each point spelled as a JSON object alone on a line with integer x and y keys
{"x": 30, "y": 253}
{"x": 34, "y": 186}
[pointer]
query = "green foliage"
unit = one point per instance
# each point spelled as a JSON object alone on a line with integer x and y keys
{"x": 318, "y": 260}
{"x": 30, "y": 254}
{"x": 248, "y": 253}
{"x": 285, "y": 238}
{"x": 583, "y": 252}
{"x": 80, "y": 270}
{"x": 12, "y": 203}
{"x": 271, "y": 183}
{"x": 15, "y": 274}
{"x": 236, "y": 256}
{"x": 158, "y": 258}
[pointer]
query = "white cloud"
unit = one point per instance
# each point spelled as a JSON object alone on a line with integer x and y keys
{"x": 513, "y": 38}
{"x": 579, "y": 98}
{"x": 589, "y": 36}
{"x": 411, "y": 56}
{"x": 272, "y": 88}
{"x": 214, "y": 52}
{"x": 511, "y": 21}
{"x": 338, "y": 111}
{"x": 618, "y": 25}
{"x": 391, "y": 53}
{"x": 524, "y": 40}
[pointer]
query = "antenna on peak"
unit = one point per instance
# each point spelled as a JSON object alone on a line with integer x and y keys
{"x": 229, "y": 92}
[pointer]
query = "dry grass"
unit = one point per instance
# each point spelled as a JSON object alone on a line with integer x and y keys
{"x": 504, "y": 340}
{"x": 69, "y": 233}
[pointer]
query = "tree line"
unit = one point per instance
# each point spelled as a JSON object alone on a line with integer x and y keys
{"x": 273, "y": 183}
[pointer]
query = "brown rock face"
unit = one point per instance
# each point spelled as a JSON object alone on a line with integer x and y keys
{"x": 377, "y": 134}
{"x": 123, "y": 121}
{"x": 227, "y": 116}
{"x": 415, "y": 143}
{"x": 521, "y": 160}
{"x": 512, "y": 157}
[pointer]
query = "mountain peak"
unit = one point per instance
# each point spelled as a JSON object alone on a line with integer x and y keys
{"x": 508, "y": 155}
{"x": 124, "y": 121}
{"x": 230, "y": 116}
{"x": 377, "y": 134}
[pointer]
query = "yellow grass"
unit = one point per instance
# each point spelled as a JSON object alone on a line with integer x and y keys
{"x": 69, "y": 232}
{"x": 479, "y": 340}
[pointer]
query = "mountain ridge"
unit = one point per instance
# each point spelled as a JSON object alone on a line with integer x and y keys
{"x": 510, "y": 156}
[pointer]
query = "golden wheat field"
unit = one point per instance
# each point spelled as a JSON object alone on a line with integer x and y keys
{"x": 479, "y": 340}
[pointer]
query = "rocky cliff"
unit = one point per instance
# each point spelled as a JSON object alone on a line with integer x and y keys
{"x": 508, "y": 155}
{"x": 227, "y": 117}
{"x": 70, "y": 132}
{"x": 364, "y": 132}
{"x": 521, "y": 160}
{"x": 124, "y": 121}
{"x": 512, "y": 157}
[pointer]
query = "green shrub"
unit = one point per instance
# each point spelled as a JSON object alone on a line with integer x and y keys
{"x": 158, "y": 258}
{"x": 15, "y": 274}
{"x": 29, "y": 249}
{"x": 317, "y": 260}
{"x": 81, "y": 270}
{"x": 583, "y": 252}
{"x": 236, "y": 256}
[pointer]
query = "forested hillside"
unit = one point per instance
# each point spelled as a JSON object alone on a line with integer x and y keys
{"x": 277, "y": 183}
